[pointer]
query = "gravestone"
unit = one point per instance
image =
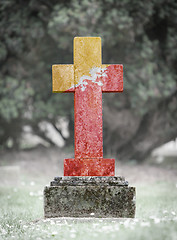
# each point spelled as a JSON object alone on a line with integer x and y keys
{"x": 89, "y": 187}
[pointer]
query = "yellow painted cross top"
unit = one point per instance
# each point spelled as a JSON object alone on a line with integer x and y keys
{"x": 87, "y": 54}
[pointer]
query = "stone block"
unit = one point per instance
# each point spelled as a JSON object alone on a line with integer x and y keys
{"x": 89, "y": 197}
{"x": 89, "y": 167}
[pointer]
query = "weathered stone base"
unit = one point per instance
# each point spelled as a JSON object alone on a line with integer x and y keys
{"x": 89, "y": 197}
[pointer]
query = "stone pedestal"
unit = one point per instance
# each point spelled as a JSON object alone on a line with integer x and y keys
{"x": 89, "y": 197}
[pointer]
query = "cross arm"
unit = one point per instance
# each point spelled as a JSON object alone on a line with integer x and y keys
{"x": 63, "y": 78}
{"x": 112, "y": 78}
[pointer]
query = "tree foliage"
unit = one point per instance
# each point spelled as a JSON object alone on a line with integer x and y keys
{"x": 139, "y": 34}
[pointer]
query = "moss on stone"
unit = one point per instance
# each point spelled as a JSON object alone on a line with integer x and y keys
{"x": 81, "y": 201}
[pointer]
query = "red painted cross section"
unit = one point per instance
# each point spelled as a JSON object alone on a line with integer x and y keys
{"x": 88, "y": 79}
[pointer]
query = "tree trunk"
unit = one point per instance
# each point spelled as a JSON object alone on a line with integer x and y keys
{"x": 156, "y": 127}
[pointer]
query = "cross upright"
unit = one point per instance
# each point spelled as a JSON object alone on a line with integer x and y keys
{"x": 88, "y": 78}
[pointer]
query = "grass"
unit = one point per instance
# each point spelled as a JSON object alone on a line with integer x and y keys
{"x": 21, "y": 216}
{"x": 21, "y": 206}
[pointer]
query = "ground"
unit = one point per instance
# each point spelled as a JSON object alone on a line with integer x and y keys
{"x": 24, "y": 174}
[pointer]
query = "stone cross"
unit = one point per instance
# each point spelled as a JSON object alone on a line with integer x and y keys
{"x": 88, "y": 78}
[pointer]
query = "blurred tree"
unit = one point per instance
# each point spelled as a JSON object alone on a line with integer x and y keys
{"x": 141, "y": 35}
